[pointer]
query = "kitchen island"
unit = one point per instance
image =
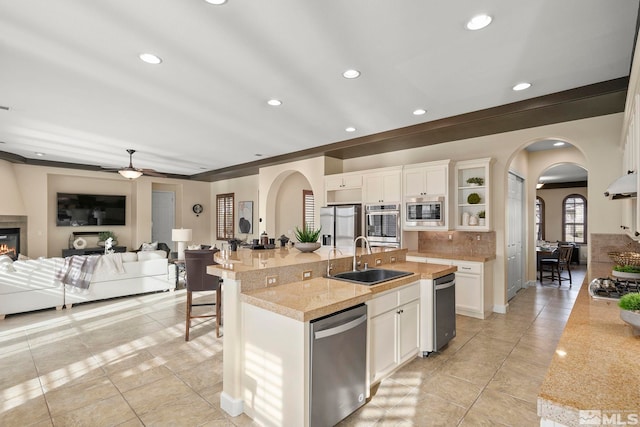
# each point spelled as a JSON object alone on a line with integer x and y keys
{"x": 595, "y": 372}
{"x": 267, "y": 308}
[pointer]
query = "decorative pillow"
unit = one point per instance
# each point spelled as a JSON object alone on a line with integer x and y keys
{"x": 194, "y": 247}
{"x": 150, "y": 246}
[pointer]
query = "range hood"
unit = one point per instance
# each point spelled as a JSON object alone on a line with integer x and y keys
{"x": 624, "y": 187}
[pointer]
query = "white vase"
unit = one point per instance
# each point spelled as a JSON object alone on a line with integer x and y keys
{"x": 482, "y": 222}
{"x": 633, "y": 319}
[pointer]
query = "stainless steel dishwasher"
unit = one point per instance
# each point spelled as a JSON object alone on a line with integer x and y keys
{"x": 438, "y": 313}
{"x": 338, "y": 365}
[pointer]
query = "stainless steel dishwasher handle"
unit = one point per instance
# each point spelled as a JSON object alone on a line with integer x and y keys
{"x": 340, "y": 329}
{"x": 445, "y": 285}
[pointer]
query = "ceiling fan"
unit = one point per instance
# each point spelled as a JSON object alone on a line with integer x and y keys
{"x": 132, "y": 173}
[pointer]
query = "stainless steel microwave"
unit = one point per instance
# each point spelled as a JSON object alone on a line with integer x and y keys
{"x": 425, "y": 212}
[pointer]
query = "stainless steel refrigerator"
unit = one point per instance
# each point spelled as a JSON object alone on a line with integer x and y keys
{"x": 341, "y": 224}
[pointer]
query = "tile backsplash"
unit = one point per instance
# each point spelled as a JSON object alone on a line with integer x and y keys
{"x": 602, "y": 244}
{"x": 458, "y": 242}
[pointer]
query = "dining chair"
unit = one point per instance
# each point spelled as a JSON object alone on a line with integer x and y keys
{"x": 559, "y": 262}
{"x": 197, "y": 280}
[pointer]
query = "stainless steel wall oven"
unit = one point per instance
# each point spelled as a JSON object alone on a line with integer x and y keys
{"x": 382, "y": 224}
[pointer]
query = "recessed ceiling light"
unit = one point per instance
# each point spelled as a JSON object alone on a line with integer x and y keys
{"x": 274, "y": 102}
{"x": 522, "y": 86}
{"x": 558, "y": 144}
{"x": 39, "y": 154}
{"x": 150, "y": 58}
{"x": 216, "y": 2}
{"x": 351, "y": 74}
{"x": 478, "y": 22}
{"x": 350, "y": 129}
{"x": 419, "y": 112}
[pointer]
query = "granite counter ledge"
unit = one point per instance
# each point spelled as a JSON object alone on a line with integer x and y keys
{"x": 453, "y": 255}
{"x": 595, "y": 366}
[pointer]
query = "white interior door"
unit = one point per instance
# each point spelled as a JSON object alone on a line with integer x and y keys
{"x": 163, "y": 216}
{"x": 515, "y": 235}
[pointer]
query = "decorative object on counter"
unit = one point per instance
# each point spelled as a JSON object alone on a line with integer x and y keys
{"x": 625, "y": 258}
{"x": 475, "y": 181}
{"x": 481, "y": 218}
{"x": 283, "y": 240}
{"x": 103, "y": 236}
{"x": 473, "y": 199}
{"x": 630, "y": 311}
{"x": 308, "y": 239}
{"x": 107, "y": 246}
{"x": 473, "y": 220}
{"x": 233, "y": 244}
{"x": 626, "y": 271}
{"x": 264, "y": 238}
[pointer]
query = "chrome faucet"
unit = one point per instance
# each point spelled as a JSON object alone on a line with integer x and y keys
{"x": 355, "y": 243}
{"x": 329, "y": 265}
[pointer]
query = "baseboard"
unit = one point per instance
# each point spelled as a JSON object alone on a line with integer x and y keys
{"x": 502, "y": 309}
{"x": 231, "y": 406}
{"x": 530, "y": 284}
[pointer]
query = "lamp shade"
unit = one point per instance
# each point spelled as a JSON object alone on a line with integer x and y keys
{"x": 181, "y": 234}
{"x": 130, "y": 173}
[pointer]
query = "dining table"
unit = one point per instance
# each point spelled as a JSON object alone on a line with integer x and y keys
{"x": 543, "y": 252}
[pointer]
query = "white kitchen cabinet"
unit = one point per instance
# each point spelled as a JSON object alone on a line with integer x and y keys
{"x": 474, "y": 285}
{"x": 394, "y": 330}
{"x": 426, "y": 179}
{"x": 384, "y": 186}
{"x": 473, "y": 199}
{"x": 343, "y": 188}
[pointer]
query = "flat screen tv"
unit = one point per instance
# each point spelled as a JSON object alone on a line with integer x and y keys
{"x": 90, "y": 209}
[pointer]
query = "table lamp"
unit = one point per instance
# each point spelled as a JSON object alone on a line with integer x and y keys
{"x": 181, "y": 236}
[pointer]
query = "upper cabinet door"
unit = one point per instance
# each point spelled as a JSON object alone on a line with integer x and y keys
{"x": 383, "y": 187}
{"x": 426, "y": 179}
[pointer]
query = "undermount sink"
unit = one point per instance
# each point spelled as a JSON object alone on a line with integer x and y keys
{"x": 370, "y": 276}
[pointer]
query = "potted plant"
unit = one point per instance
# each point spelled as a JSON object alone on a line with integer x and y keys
{"x": 475, "y": 181}
{"x": 626, "y": 271}
{"x": 630, "y": 311}
{"x": 104, "y": 235}
{"x": 481, "y": 218}
{"x": 308, "y": 239}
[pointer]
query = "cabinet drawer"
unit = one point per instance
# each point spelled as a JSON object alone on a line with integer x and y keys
{"x": 408, "y": 293}
{"x": 468, "y": 267}
{"x": 382, "y": 303}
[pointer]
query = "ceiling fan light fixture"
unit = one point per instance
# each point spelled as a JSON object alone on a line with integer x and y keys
{"x": 130, "y": 173}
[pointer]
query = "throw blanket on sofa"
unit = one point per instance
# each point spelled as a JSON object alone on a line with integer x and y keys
{"x": 77, "y": 270}
{"x": 110, "y": 264}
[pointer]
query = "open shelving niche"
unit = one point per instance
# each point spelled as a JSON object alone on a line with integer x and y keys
{"x": 469, "y": 169}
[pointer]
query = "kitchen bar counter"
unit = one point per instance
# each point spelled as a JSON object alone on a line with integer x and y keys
{"x": 456, "y": 256}
{"x": 311, "y": 299}
{"x": 596, "y": 365}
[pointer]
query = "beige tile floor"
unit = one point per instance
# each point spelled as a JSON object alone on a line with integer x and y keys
{"x": 124, "y": 362}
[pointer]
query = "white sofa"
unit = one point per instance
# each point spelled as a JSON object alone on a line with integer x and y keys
{"x": 31, "y": 284}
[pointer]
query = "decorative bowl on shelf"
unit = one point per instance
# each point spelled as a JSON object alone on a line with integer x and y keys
{"x": 625, "y": 275}
{"x": 473, "y": 199}
{"x": 307, "y": 246}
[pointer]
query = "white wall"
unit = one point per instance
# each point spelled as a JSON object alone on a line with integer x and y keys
{"x": 289, "y": 205}
{"x": 12, "y": 203}
{"x": 244, "y": 189}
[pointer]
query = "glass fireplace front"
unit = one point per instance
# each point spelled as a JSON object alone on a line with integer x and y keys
{"x": 10, "y": 242}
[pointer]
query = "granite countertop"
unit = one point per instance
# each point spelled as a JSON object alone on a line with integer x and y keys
{"x": 596, "y": 365}
{"x": 453, "y": 255}
{"x": 310, "y": 299}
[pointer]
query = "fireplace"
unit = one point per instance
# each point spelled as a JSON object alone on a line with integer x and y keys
{"x": 10, "y": 242}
